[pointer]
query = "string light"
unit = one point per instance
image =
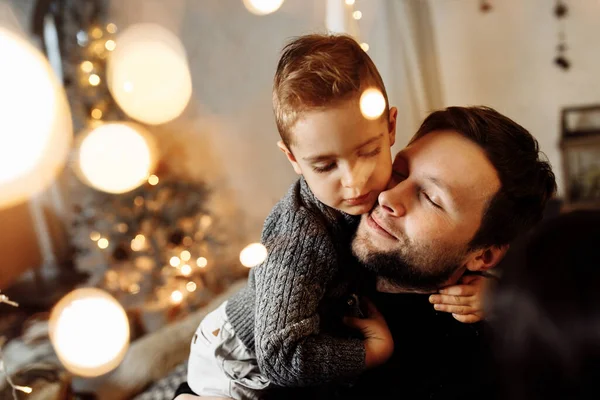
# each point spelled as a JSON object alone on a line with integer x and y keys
{"x": 134, "y": 288}
{"x": 87, "y": 66}
{"x": 201, "y": 262}
{"x": 191, "y": 287}
{"x": 186, "y": 255}
{"x": 95, "y": 236}
{"x": 364, "y": 46}
{"x": 137, "y": 243}
{"x": 96, "y": 113}
{"x": 94, "y": 80}
{"x": 111, "y": 28}
{"x": 357, "y": 15}
{"x": 103, "y": 243}
{"x": 153, "y": 180}
{"x": 25, "y": 389}
{"x": 253, "y": 254}
{"x": 175, "y": 261}
{"x": 110, "y": 45}
{"x": 186, "y": 270}
{"x": 176, "y": 297}
{"x": 372, "y": 103}
{"x": 96, "y": 33}
{"x": 350, "y": 2}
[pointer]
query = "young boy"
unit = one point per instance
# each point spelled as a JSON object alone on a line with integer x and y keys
{"x": 285, "y": 328}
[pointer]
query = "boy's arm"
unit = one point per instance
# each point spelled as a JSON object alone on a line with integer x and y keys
{"x": 464, "y": 300}
{"x": 290, "y": 285}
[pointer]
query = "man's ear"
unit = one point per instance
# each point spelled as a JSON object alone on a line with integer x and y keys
{"x": 392, "y": 125}
{"x": 289, "y": 156}
{"x": 484, "y": 259}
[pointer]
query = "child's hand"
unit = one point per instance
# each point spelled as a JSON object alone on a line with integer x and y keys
{"x": 464, "y": 301}
{"x": 379, "y": 344}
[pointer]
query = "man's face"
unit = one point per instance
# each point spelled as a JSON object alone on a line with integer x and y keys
{"x": 417, "y": 237}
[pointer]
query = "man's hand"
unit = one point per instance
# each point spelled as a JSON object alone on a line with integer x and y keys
{"x": 379, "y": 344}
{"x": 464, "y": 301}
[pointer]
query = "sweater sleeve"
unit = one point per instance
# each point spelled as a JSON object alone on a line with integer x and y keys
{"x": 290, "y": 285}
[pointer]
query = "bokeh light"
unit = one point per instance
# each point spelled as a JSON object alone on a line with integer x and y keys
{"x": 89, "y": 331}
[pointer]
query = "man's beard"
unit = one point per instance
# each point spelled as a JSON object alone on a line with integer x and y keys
{"x": 412, "y": 268}
{"x": 400, "y": 273}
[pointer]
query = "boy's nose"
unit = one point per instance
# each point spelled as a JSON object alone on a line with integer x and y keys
{"x": 355, "y": 177}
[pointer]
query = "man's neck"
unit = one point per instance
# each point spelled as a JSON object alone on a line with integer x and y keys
{"x": 385, "y": 286}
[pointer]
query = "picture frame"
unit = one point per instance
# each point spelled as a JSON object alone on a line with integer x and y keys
{"x": 580, "y": 147}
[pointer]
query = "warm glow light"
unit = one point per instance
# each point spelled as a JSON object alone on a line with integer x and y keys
{"x": 350, "y": 2}
{"x": 87, "y": 66}
{"x": 94, "y": 80}
{"x": 186, "y": 255}
{"x": 372, "y": 103}
{"x": 96, "y": 33}
{"x": 134, "y": 288}
{"x": 148, "y": 74}
{"x": 111, "y": 28}
{"x": 110, "y": 45}
{"x": 116, "y": 157}
{"x": 103, "y": 243}
{"x": 35, "y": 123}
{"x": 138, "y": 243}
{"x": 89, "y": 331}
{"x": 201, "y": 262}
{"x": 253, "y": 254}
{"x": 364, "y": 46}
{"x": 176, "y": 297}
{"x": 95, "y": 236}
{"x": 191, "y": 286}
{"x": 357, "y": 15}
{"x": 96, "y": 113}
{"x": 186, "y": 270}
{"x": 262, "y": 7}
{"x": 24, "y": 389}
{"x": 153, "y": 180}
{"x": 175, "y": 261}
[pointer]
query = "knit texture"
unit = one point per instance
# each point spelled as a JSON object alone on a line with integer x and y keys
{"x": 282, "y": 312}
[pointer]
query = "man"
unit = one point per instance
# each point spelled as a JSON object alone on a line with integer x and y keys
{"x": 467, "y": 184}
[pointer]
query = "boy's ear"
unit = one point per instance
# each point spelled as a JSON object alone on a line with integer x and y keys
{"x": 289, "y": 156}
{"x": 392, "y": 125}
{"x": 484, "y": 259}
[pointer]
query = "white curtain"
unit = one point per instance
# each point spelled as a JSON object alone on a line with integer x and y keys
{"x": 401, "y": 42}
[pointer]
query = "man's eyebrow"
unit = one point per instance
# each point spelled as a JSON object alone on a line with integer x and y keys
{"x": 325, "y": 157}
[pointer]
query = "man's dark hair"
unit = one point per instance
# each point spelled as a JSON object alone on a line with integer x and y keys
{"x": 527, "y": 180}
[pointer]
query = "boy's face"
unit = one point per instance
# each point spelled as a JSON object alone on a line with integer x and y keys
{"x": 344, "y": 157}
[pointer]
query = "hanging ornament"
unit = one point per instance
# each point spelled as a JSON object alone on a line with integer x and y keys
{"x": 560, "y": 11}
{"x": 485, "y": 6}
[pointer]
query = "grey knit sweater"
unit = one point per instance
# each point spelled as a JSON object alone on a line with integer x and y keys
{"x": 284, "y": 312}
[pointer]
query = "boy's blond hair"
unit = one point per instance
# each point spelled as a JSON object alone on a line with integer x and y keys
{"x": 317, "y": 71}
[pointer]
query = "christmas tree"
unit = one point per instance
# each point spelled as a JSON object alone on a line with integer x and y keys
{"x": 159, "y": 249}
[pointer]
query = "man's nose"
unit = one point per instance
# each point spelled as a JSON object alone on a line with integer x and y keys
{"x": 393, "y": 200}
